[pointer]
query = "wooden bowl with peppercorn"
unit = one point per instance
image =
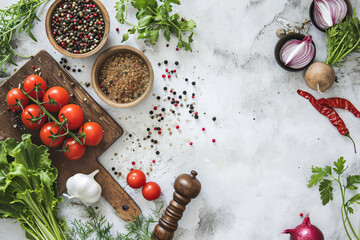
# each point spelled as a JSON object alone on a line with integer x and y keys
{"x": 77, "y": 28}
{"x": 122, "y": 76}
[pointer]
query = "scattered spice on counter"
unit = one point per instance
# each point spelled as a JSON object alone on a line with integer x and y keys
{"x": 124, "y": 77}
{"x": 78, "y": 26}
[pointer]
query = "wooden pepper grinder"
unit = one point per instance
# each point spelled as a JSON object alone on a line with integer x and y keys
{"x": 186, "y": 187}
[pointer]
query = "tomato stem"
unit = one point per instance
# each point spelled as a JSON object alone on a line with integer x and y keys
{"x": 53, "y": 118}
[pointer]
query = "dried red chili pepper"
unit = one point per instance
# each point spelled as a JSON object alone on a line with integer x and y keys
{"x": 329, "y": 112}
{"x": 340, "y": 103}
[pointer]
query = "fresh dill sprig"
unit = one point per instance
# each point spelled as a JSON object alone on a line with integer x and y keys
{"x": 98, "y": 228}
{"x": 19, "y": 16}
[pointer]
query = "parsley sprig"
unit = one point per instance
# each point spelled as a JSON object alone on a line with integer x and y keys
{"x": 342, "y": 39}
{"x": 153, "y": 18}
{"x": 326, "y": 177}
{"x": 19, "y": 16}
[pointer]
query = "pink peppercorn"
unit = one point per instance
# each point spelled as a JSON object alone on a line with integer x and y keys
{"x": 166, "y": 70}
{"x": 167, "y": 45}
{"x": 177, "y": 49}
{"x": 155, "y": 108}
{"x": 153, "y": 161}
{"x": 203, "y": 129}
{"x": 133, "y": 163}
{"x": 190, "y": 143}
{"x": 171, "y": 91}
{"x": 164, "y": 76}
{"x": 131, "y": 169}
{"x": 175, "y": 105}
{"x": 33, "y": 67}
{"x": 13, "y": 110}
{"x": 196, "y": 113}
{"x": 213, "y": 140}
{"x": 169, "y": 76}
{"x": 159, "y": 132}
{"x": 117, "y": 29}
{"x": 174, "y": 70}
{"x": 177, "y": 127}
{"x": 301, "y": 214}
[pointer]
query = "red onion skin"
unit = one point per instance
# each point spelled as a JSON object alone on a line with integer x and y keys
{"x": 305, "y": 231}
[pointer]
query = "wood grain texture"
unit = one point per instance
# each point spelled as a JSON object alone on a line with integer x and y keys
{"x": 12, "y": 126}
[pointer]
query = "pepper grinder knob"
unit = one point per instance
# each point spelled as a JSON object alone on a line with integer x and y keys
{"x": 187, "y": 187}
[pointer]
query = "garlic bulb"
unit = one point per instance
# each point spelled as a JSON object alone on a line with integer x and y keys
{"x": 84, "y": 187}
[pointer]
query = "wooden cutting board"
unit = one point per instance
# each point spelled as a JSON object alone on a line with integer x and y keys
{"x": 12, "y": 126}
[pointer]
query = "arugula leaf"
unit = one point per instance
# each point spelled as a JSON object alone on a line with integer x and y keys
{"x": 154, "y": 18}
{"x": 145, "y": 20}
{"x": 125, "y": 37}
{"x": 154, "y": 35}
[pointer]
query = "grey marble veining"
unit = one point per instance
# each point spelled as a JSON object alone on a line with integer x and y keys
{"x": 267, "y": 137}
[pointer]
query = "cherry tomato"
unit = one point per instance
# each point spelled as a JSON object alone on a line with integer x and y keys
{"x": 73, "y": 149}
{"x": 74, "y": 114}
{"x": 55, "y": 98}
{"x": 151, "y": 191}
{"x": 30, "y": 113}
{"x": 93, "y": 133}
{"x": 47, "y": 132}
{"x": 15, "y": 98}
{"x": 136, "y": 179}
{"x": 32, "y": 82}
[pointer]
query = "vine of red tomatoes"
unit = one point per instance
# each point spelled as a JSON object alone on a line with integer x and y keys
{"x": 53, "y": 130}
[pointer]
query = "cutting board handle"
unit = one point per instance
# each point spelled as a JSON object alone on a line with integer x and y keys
{"x": 116, "y": 195}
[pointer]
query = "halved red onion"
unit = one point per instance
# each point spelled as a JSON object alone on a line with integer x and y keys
{"x": 328, "y": 13}
{"x": 297, "y": 54}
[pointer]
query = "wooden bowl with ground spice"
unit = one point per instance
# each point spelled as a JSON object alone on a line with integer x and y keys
{"x": 77, "y": 28}
{"x": 122, "y": 76}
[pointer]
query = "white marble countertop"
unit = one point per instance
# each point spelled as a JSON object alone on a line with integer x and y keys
{"x": 254, "y": 177}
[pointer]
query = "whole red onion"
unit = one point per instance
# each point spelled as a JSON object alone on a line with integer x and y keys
{"x": 305, "y": 231}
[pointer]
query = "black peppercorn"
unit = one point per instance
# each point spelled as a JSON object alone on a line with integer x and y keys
{"x": 165, "y": 88}
{"x": 174, "y": 93}
{"x": 180, "y": 96}
{"x": 158, "y": 98}
{"x": 193, "y": 83}
{"x": 196, "y": 116}
{"x": 65, "y": 60}
{"x": 186, "y": 79}
{"x": 214, "y": 118}
{"x": 151, "y": 112}
{"x": 130, "y": 135}
{"x": 74, "y": 70}
{"x": 184, "y": 92}
{"x": 79, "y": 70}
{"x": 148, "y": 129}
{"x": 157, "y": 152}
{"x": 163, "y": 109}
{"x": 113, "y": 168}
{"x": 68, "y": 67}
{"x": 166, "y": 62}
{"x": 173, "y": 111}
{"x": 176, "y": 63}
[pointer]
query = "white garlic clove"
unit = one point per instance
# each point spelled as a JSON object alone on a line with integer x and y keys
{"x": 84, "y": 187}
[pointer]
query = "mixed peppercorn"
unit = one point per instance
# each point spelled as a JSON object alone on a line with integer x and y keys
{"x": 78, "y": 26}
{"x": 169, "y": 107}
